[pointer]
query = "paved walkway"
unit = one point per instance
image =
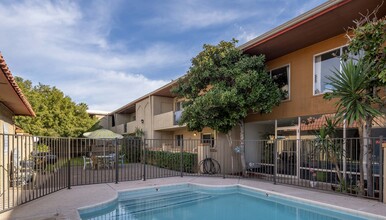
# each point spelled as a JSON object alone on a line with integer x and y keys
{"x": 64, "y": 203}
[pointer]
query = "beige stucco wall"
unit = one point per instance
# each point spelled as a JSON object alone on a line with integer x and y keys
{"x": 144, "y": 112}
{"x": 162, "y": 104}
{"x": 164, "y": 120}
{"x": 121, "y": 119}
{"x": 5, "y": 121}
{"x": 104, "y": 121}
{"x": 302, "y": 101}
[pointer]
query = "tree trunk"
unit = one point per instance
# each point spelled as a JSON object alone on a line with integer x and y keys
{"x": 369, "y": 155}
{"x": 229, "y": 138}
{"x": 242, "y": 148}
{"x": 334, "y": 160}
{"x": 361, "y": 170}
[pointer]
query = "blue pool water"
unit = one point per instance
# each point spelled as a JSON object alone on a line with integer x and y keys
{"x": 189, "y": 201}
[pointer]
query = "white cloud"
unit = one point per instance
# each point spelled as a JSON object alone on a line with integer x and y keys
{"x": 245, "y": 35}
{"x": 63, "y": 45}
{"x": 115, "y": 88}
{"x": 183, "y": 15}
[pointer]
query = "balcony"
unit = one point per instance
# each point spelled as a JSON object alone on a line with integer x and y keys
{"x": 167, "y": 120}
{"x": 127, "y": 128}
{"x": 131, "y": 127}
{"x": 118, "y": 129}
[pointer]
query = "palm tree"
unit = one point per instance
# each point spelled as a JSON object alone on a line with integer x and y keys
{"x": 356, "y": 101}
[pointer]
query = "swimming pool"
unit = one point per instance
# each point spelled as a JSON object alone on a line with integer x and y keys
{"x": 190, "y": 201}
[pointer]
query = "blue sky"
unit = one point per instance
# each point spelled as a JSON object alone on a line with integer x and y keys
{"x": 108, "y": 53}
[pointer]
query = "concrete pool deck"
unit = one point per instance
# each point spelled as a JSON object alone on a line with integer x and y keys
{"x": 64, "y": 203}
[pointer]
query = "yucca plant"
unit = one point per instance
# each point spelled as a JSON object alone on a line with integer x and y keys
{"x": 356, "y": 102}
{"x": 326, "y": 145}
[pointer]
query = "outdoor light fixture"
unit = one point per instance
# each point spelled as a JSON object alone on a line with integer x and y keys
{"x": 194, "y": 134}
{"x": 142, "y": 121}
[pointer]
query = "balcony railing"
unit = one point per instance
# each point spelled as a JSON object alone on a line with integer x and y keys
{"x": 167, "y": 120}
{"x": 131, "y": 127}
{"x": 164, "y": 120}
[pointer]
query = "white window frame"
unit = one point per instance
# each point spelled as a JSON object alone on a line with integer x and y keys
{"x": 288, "y": 65}
{"x": 314, "y": 66}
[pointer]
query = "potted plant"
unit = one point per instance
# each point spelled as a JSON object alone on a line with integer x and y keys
{"x": 313, "y": 181}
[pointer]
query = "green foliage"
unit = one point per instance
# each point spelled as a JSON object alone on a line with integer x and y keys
{"x": 56, "y": 114}
{"x": 355, "y": 100}
{"x": 326, "y": 145}
{"x": 321, "y": 176}
{"x": 369, "y": 37}
{"x": 131, "y": 148}
{"x": 222, "y": 86}
{"x": 170, "y": 160}
{"x": 42, "y": 148}
{"x": 358, "y": 85}
{"x": 139, "y": 132}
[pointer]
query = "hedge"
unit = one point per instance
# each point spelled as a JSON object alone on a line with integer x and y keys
{"x": 170, "y": 160}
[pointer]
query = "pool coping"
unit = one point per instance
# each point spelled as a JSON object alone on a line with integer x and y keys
{"x": 64, "y": 204}
{"x": 303, "y": 201}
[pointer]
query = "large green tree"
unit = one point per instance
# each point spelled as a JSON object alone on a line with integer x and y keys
{"x": 358, "y": 85}
{"x": 56, "y": 114}
{"x": 222, "y": 86}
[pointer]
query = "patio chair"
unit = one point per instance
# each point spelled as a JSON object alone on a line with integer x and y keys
{"x": 122, "y": 158}
{"x": 111, "y": 161}
{"x": 23, "y": 173}
{"x": 87, "y": 161}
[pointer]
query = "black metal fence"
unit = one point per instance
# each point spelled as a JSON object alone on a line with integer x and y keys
{"x": 32, "y": 167}
{"x": 332, "y": 165}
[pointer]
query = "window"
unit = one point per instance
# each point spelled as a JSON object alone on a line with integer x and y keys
{"x": 178, "y": 112}
{"x": 281, "y": 77}
{"x": 207, "y": 139}
{"x": 112, "y": 121}
{"x": 179, "y": 106}
{"x": 125, "y": 128}
{"x": 324, "y": 64}
{"x": 179, "y": 140}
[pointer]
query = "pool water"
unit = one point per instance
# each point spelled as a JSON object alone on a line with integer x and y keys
{"x": 197, "y": 202}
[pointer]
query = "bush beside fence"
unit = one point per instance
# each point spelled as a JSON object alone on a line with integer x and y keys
{"x": 171, "y": 160}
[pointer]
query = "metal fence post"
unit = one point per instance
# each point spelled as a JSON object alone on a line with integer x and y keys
{"x": 380, "y": 169}
{"x": 275, "y": 161}
{"x": 181, "y": 159}
{"x": 223, "y": 158}
{"x": 144, "y": 158}
{"x": 69, "y": 164}
{"x": 116, "y": 161}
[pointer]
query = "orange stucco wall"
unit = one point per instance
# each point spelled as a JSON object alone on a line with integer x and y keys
{"x": 302, "y": 101}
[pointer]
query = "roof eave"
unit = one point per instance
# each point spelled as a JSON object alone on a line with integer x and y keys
{"x": 16, "y": 88}
{"x": 309, "y": 15}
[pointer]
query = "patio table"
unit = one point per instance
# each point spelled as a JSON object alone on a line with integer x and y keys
{"x": 105, "y": 161}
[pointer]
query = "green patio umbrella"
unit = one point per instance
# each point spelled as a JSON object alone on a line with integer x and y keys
{"x": 102, "y": 134}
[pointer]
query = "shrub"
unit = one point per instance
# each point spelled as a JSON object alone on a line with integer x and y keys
{"x": 131, "y": 148}
{"x": 171, "y": 160}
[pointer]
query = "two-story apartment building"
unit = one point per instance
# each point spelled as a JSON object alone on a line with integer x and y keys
{"x": 299, "y": 55}
{"x": 156, "y": 114}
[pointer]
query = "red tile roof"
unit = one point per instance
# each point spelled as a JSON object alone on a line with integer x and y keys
{"x": 12, "y": 82}
{"x": 316, "y": 123}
